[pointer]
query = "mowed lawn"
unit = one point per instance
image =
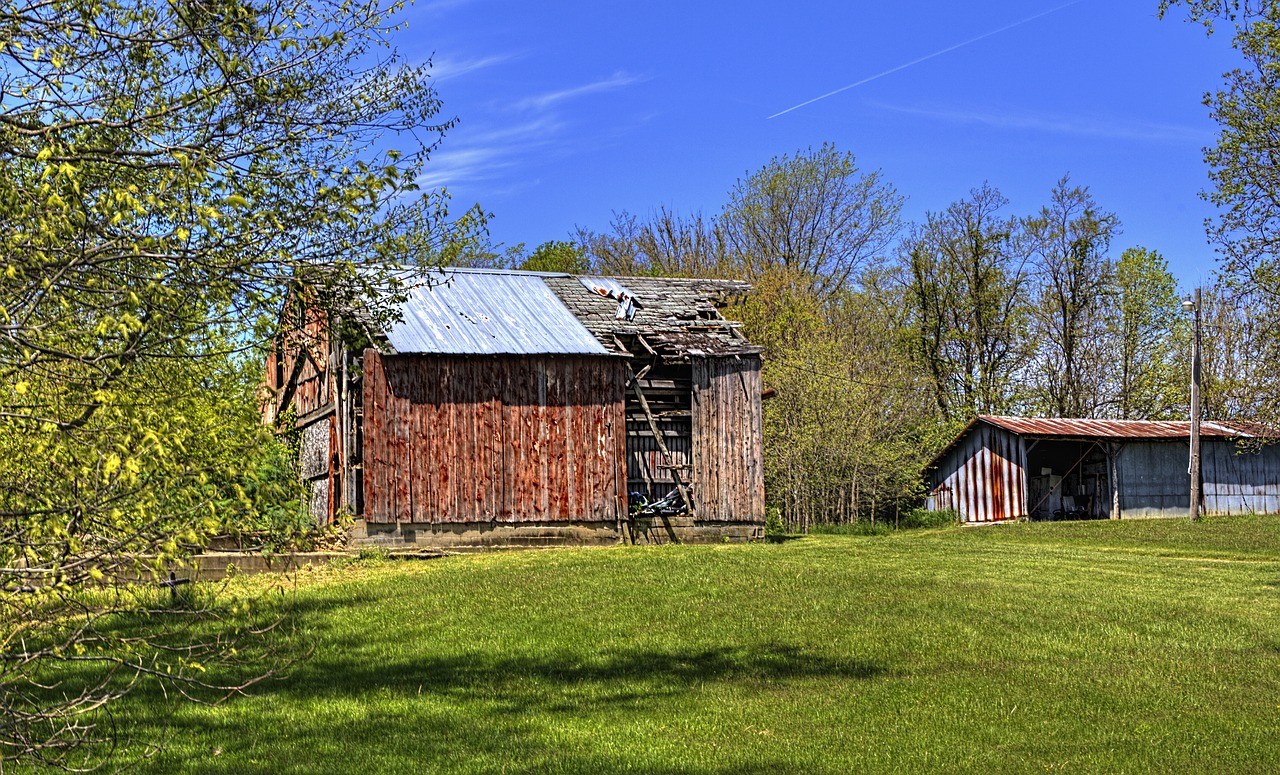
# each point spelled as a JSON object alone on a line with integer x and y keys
{"x": 1073, "y": 647}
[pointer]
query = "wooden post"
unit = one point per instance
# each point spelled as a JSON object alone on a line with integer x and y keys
{"x": 1113, "y": 452}
{"x": 1195, "y": 412}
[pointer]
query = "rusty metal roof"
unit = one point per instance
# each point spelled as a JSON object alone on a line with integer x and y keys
{"x": 1110, "y": 429}
{"x": 470, "y": 312}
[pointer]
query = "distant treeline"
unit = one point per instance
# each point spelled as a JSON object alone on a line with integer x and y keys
{"x": 884, "y": 337}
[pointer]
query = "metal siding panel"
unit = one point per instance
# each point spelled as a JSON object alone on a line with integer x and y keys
{"x": 1156, "y": 483}
{"x": 1236, "y": 483}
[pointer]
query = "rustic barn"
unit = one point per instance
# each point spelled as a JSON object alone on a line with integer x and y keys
{"x": 1002, "y": 468}
{"x": 523, "y": 408}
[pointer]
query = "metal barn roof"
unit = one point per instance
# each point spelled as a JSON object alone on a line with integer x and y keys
{"x": 1109, "y": 429}
{"x": 1101, "y": 430}
{"x": 464, "y": 312}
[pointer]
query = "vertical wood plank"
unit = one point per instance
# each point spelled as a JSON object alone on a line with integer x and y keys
{"x": 368, "y": 482}
{"x": 573, "y": 408}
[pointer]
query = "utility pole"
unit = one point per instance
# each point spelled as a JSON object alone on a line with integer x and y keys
{"x": 1193, "y": 306}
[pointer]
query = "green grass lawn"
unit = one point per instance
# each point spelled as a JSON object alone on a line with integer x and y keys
{"x": 1147, "y": 646}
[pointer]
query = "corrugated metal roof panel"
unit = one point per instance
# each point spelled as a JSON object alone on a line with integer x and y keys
{"x": 1109, "y": 429}
{"x": 1079, "y": 428}
{"x": 490, "y": 313}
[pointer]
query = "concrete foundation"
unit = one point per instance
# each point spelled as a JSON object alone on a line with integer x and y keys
{"x": 490, "y": 535}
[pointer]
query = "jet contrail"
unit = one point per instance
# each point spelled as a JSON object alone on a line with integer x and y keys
{"x": 925, "y": 58}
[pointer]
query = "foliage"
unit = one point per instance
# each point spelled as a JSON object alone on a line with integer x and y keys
{"x": 920, "y": 651}
{"x": 923, "y": 518}
{"x": 556, "y": 256}
{"x": 966, "y": 277}
{"x": 267, "y": 503}
{"x": 773, "y": 524}
{"x": 1151, "y": 339}
{"x": 1245, "y": 179}
{"x": 1070, "y": 238}
{"x": 169, "y": 170}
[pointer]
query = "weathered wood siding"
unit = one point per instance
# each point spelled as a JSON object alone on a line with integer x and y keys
{"x": 302, "y": 373}
{"x": 493, "y": 439}
{"x": 728, "y": 448}
{"x": 299, "y": 369}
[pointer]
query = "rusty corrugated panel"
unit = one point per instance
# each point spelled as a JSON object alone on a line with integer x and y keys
{"x": 983, "y": 476}
{"x": 464, "y": 312}
{"x": 1109, "y": 429}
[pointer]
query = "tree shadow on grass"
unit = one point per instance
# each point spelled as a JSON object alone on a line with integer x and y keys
{"x": 351, "y": 661}
{"x": 368, "y": 701}
{"x": 579, "y": 682}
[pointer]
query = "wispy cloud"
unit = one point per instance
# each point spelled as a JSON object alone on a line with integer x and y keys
{"x": 487, "y": 155}
{"x": 445, "y": 67}
{"x": 492, "y": 153}
{"x": 1082, "y": 126}
{"x": 551, "y": 99}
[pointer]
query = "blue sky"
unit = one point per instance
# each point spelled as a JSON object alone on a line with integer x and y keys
{"x": 569, "y": 111}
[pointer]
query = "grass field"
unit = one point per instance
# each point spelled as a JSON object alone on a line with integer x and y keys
{"x": 1071, "y": 647}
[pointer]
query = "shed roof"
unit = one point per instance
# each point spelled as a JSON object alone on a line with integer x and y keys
{"x": 1071, "y": 427}
{"x": 1102, "y": 430}
{"x": 466, "y": 312}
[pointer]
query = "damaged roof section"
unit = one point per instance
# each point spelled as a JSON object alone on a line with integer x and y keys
{"x": 678, "y": 317}
{"x": 465, "y": 311}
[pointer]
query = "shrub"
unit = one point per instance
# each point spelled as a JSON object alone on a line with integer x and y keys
{"x": 773, "y": 524}
{"x": 922, "y": 517}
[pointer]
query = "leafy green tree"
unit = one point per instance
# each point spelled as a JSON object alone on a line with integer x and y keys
{"x": 849, "y": 427}
{"x": 815, "y": 213}
{"x": 1071, "y": 237}
{"x": 1246, "y": 230}
{"x": 1241, "y": 164}
{"x": 966, "y": 276}
{"x": 557, "y": 256}
{"x": 1148, "y": 339}
{"x": 169, "y": 170}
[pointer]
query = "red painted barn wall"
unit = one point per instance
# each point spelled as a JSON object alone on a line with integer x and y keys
{"x": 493, "y": 439}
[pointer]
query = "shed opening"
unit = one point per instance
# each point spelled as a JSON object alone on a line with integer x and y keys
{"x": 1067, "y": 479}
